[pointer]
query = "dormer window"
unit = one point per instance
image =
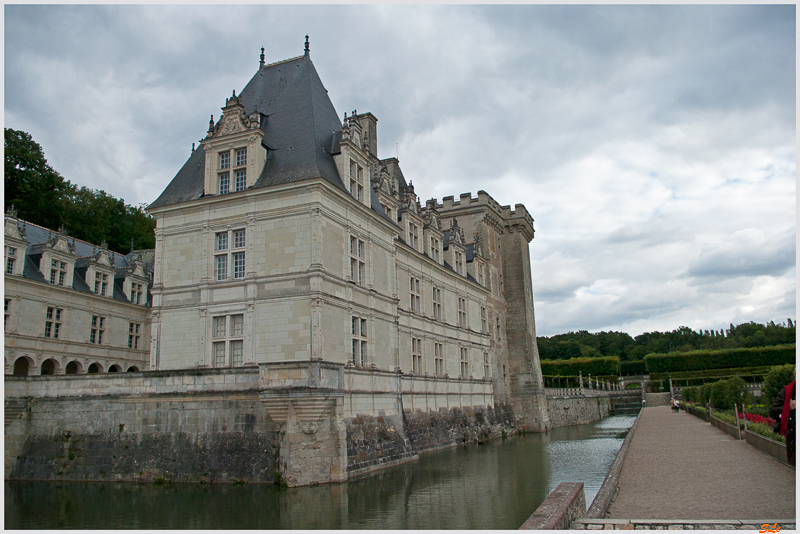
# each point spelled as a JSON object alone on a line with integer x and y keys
{"x": 58, "y": 272}
{"x": 356, "y": 181}
{"x": 100, "y": 284}
{"x": 239, "y": 157}
{"x": 11, "y": 258}
{"x": 136, "y": 293}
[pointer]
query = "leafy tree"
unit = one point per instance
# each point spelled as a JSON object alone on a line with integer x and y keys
{"x": 778, "y": 377}
{"x": 34, "y": 188}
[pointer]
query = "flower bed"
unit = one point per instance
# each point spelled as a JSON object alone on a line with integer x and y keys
{"x": 753, "y": 418}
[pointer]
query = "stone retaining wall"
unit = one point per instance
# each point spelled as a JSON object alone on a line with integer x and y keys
{"x": 195, "y": 438}
{"x": 564, "y": 505}
{"x": 565, "y": 411}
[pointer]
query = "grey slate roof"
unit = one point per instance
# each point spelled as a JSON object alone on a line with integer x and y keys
{"x": 37, "y": 237}
{"x": 300, "y": 131}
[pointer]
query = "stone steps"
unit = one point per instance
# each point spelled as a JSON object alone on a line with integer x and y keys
{"x": 15, "y": 409}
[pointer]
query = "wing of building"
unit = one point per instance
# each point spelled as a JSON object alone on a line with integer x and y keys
{"x": 72, "y": 307}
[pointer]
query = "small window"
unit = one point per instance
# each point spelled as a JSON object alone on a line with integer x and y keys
{"x": 219, "y": 326}
{"x": 416, "y": 356}
{"x": 7, "y": 313}
{"x": 238, "y": 238}
{"x": 100, "y": 284}
{"x": 241, "y": 180}
{"x": 462, "y": 312}
{"x": 464, "y": 363}
{"x": 238, "y": 265}
{"x": 133, "y": 335}
{"x": 359, "y": 345}
{"x": 222, "y": 241}
{"x": 10, "y": 260}
{"x": 52, "y": 324}
{"x": 222, "y": 268}
{"x": 224, "y": 183}
{"x": 416, "y": 306}
{"x": 241, "y": 157}
{"x": 97, "y": 330}
{"x": 437, "y": 304}
{"x": 357, "y": 264}
{"x": 438, "y": 357}
{"x": 224, "y": 160}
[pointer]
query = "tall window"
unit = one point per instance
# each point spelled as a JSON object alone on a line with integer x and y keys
{"x": 483, "y": 320}
{"x": 462, "y": 312}
{"x": 416, "y": 356}
{"x": 435, "y": 249}
{"x": 497, "y": 319}
{"x": 100, "y": 283}
{"x": 97, "y": 330}
{"x": 239, "y": 171}
{"x": 486, "y": 369}
{"x": 438, "y": 359}
{"x": 133, "y": 335}
{"x": 52, "y": 324}
{"x": 6, "y": 313}
{"x": 358, "y": 327}
{"x": 416, "y": 307}
{"x": 459, "y": 262}
{"x": 225, "y": 255}
{"x": 356, "y": 181}
{"x": 136, "y": 293}
{"x": 241, "y": 180}
{"x": 224, "y": 183}
{"x": 437, "y": 303}
{"x": 480, "y": 274}
{"x": 413, "y": 236}
{"x": 464, "y": 363}
{"x": 228, "y": 335}
{"x": 357, "y": 264}
{"x": 58, "y": 272}
{"x": 10, "y": 259}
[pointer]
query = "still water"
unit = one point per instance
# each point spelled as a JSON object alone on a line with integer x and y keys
{"x": 492, "y": 486}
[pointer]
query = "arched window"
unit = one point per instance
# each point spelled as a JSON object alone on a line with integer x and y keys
{"x": 114, "y": 369}
{"x": 73, "y": 368}
{"x": 21, "y": 366}
{"x": 94, "y": 368}
{"x": 49, "y": 367}
{"x": 133, "y": 369}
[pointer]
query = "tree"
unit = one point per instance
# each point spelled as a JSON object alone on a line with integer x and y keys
{"x": 34, "y": 188}
{"x": 778, "y": 377}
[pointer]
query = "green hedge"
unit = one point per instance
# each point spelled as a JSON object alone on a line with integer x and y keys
{"x": 719, "y": 359}
{"x": 633, "y": 368}
{"x": 586, "y": 366}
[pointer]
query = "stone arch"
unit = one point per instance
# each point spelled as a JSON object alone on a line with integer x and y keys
{"x": 95, "y": 368}
{"x": 22, "y": 366}
{"x": 73, "y": 368}
{"x": 49, "y": 367}
{"x": 133, "y": 369}
{"x": 114, "y": 369}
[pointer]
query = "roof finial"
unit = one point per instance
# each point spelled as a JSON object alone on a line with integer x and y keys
{"x": 262, "y": 57}
{"x": 211, "y": 124}
{"x": 307, "y": 50}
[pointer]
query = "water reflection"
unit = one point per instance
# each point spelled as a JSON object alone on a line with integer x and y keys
{"x": 492, "y": 486}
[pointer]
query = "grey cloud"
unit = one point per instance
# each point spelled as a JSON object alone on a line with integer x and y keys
{"x": 745, "y": 255}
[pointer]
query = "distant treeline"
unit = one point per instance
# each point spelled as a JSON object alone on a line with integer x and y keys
{"x": 40, "y": 195}
{"x": 583, "y": 344}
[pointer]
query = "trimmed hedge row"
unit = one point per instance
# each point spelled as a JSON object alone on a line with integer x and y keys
{"x": 633, "y": 368}
{"x": 720, "y": 359}
{"x": 587, "y": 366}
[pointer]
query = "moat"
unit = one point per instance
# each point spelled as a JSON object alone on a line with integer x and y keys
{"x": 496, "y": 485}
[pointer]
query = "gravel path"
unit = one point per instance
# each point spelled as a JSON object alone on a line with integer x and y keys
{"x": 680, "y": 467}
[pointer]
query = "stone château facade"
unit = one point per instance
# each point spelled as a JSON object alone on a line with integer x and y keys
{"x": 297, "y": 270}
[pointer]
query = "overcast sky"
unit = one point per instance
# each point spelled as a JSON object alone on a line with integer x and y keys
{"x": 653, "y": 145}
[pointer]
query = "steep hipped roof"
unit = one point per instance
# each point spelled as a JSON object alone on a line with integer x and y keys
{"x": 299, "y": 124}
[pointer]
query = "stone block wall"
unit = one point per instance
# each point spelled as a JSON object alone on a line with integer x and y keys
{"x": 211, "y": 438}
{"x": 565, "y": 411}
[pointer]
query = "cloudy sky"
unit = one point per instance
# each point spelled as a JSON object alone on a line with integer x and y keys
{"x": 653, "y": 145}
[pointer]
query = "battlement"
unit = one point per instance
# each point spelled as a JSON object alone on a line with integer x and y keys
{"x": 483, "y": 199}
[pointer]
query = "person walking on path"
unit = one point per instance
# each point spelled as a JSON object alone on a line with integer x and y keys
{"x": 783, "y": 408}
